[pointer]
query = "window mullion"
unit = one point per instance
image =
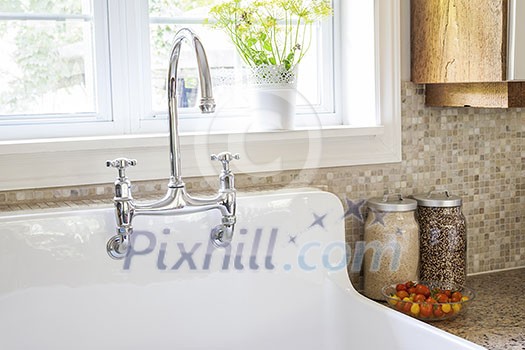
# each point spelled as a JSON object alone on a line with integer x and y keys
{"x": 119, "y": 66}
{"x": 138, "y": 63}
{"x": 329, "y": 67}
{"x": 143, "y": 66}
{"x": 101, "y": 56}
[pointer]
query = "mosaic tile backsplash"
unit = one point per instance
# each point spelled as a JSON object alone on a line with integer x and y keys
{"x": 478, "y": 154}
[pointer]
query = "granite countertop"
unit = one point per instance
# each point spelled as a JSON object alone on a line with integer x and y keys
{"x": 496, "y": 317}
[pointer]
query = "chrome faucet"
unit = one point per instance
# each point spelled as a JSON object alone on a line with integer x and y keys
{"x": 176, "y": 201}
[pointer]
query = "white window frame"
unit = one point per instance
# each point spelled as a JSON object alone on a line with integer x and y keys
{"x": 191, "y": 120}
{"x": 30, "y": 127}
{"x": 80, "y": 160}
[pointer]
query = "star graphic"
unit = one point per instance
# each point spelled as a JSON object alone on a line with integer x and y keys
{"x": 354, "y": 209}
{"x": 378, "y": 218}
{"x": 399, "y": 231}
{"x": 292, "y": 239}
{"x": 318, "y": 220}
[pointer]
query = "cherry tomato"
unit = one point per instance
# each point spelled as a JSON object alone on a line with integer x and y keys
{"x": 456, "y": 307}
{"x": 425, "y": 310}
{"x": 447, "y": 292}
{"x": 399, "y": 305}
{"x": 441, "y": 298}
{"x": 419, "y": 298}
{"x": 409, "y": 284}
{"x": 438, "y": 312}
{"x": 422, "y": 289}
{"x": 400, "y": 286}
{"x": 412, "y": 290}
{"x": 446, "y": 308}
{"x": 415, "y": 309}
{"x": 394, "y": 299}
{"x": 456, "y": 296}
{"x": 402, "y": 294}
{"x": 406, "y": 307}
{"x": 431, "y": 300}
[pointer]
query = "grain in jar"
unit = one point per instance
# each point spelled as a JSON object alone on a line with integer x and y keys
{"x": 443, "y": 237}
{"x": 391, "y": 244}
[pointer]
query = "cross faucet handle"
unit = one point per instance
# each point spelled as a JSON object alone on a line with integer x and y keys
{"x": 225, "y": 158}
{"x": 121, "y": 164}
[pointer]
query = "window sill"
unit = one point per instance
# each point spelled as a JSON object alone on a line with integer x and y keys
{"x": 75, "y": 161}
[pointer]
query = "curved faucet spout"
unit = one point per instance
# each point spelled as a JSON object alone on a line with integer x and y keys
{"x": 207, "y": 103}
{"x": 177, "y": 201}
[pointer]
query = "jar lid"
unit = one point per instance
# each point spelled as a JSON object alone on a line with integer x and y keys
{"x": 387, "y": 203}
{"x": 438, "y": 199}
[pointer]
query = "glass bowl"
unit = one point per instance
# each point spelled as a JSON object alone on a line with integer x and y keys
{"x": 429, "y": 309}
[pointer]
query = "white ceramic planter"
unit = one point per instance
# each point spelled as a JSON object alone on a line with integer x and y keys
{"x": 273, "y": 108}
{"x": 273, "y": 95}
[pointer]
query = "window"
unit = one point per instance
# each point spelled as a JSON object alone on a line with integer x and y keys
{"x": 109, "y": 61}
{"x": 61, "y": 59}
{"x": 54, "y": 61}
{"x": 38, "y": 45}
{"x": 165, "y": 19}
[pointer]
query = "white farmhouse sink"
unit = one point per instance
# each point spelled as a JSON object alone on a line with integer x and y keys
{"x": 281, "y": 285}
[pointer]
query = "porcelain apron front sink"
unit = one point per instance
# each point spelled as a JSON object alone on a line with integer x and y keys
{"x": 282, "y": 284}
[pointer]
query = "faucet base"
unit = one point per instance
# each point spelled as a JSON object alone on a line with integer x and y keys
{"x": 118, "y": 246}
{"x": 221, "y": 236}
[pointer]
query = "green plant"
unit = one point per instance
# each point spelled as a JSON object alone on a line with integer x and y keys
{"x": 270, "y": 32}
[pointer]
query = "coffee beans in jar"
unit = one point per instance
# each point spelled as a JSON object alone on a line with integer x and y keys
{"x": 391, "y": 244}
{"x": 443, "y": 237}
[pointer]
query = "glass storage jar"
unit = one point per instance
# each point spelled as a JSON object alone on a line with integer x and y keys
{"x": 391, "y": 244}
{"x": 443, "y": 237}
